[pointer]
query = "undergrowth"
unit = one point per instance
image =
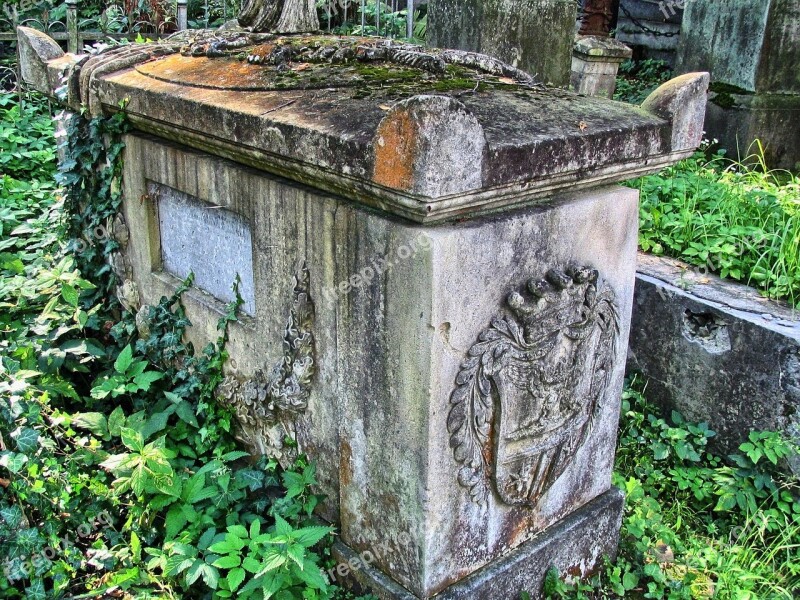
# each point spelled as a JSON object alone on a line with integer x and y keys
{"x": 119, "y": 474}
{"x": 737, "y": 220}
{"x": 636, "y": 80}
{"x": 696, "y": 526}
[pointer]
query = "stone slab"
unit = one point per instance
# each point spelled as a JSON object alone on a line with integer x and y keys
{"x": 770, "y": 118}
{"x": 591, "y": 532}
{"x": 383, "y": 142}
{"x": 716, "y": 351}
{"x": 751, "y": 44}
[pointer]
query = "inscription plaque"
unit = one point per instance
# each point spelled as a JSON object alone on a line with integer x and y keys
{"x": 212, "y": 242}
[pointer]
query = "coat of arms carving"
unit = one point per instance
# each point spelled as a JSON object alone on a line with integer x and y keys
{"x": 533, "y": 386}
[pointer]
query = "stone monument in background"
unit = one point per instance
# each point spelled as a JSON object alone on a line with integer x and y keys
{"x": 752, "y": 50}
{"x": 534, "y": 35}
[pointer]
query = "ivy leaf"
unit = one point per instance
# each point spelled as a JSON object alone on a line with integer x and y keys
{"x": 250, "y": 478}
{"x": 146, "y": 379}
{"x": 35, "y": 590}
{"x": 13, "y": 461}
{"x": 11, "y": 516}
{"x": 124, "y": 360}
{"x": 27, "y": 439}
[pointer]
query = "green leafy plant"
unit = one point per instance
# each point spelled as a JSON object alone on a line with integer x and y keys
{"x": 733, "y": 219}
{"x": 636, "y": 80}
{"x": 119, "y": 473}
{"x": 696, "y": 526}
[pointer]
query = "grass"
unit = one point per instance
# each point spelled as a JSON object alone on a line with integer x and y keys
{"x": 737, "y": 220}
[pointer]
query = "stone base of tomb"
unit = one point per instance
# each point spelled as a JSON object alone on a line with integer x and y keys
{"x": 575, "y": 546}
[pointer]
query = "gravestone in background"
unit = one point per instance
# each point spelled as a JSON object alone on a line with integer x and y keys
{"x": 442, "y": 280}
{"x": 534, "y": 35}
{"x": 752, "y": 50}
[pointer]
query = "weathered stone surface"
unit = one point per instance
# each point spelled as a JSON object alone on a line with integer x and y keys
{"x": 683, "y": 101}
{"x": 737, "y": 120}
{"x": 36, "y": 50}
{"x": 595, "y": 62}
{"x": 515, "y": 31}
{"x": 590, "y": 532}
{"x": 750, "y": 44}
{"x": 398, "y": 309}
{"x": 320, "y": 122}
{"x": 213, "y": 243}
{"x": 716, "y": 351}
{"x": 750, "y": 47}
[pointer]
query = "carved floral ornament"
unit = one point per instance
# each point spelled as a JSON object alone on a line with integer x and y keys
{"x": 266, "y": 406}
{"x": 533, "y": 385}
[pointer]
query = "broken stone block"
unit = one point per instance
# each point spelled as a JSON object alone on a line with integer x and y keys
{"x": 595, "y": 62}
{"x": 717, "y": 352}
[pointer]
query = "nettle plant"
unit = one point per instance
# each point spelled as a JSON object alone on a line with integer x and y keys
{"x": 119, "y": 474}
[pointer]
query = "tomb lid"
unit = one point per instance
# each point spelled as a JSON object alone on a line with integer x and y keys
{"x": 422, "y": 133}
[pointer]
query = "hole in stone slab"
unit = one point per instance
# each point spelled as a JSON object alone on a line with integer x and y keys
{"x": 707, "y": 330}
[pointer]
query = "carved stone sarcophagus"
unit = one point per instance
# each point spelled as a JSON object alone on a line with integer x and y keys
{"x": 437, "y": 271}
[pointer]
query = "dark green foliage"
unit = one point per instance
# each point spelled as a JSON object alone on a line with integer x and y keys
{"x": 636, "y": 80}
{"x": 118, "y": 470}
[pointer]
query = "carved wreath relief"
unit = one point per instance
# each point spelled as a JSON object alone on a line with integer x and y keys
{"x": 266, "y": 406}
{"x": 533, "y": 385}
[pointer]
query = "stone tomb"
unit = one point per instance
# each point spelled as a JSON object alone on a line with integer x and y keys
{"x": 438, "y": 272}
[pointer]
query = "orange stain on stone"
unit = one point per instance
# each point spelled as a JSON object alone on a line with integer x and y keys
{"x": 396, "y": 148}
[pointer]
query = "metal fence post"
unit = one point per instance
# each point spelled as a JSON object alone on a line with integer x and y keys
{"x": 410, "y": 19}
{"x": 72, "y": 26}
{"x": 183, "y": 20}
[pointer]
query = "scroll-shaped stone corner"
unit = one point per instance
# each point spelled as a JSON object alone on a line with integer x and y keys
{"x": 279, "y": 16}
{"x": 533, "y": 385}
{"x": 431, "y": 146}
{"x": 266, "y": 406}
{"x": 682, "y": 101}
{"x": 36, "y": 49}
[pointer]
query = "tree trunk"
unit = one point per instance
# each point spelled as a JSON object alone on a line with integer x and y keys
{"x": 279, "y": 16}
{"x": 260, "y": 15}
{"x": 298, "y": 16}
